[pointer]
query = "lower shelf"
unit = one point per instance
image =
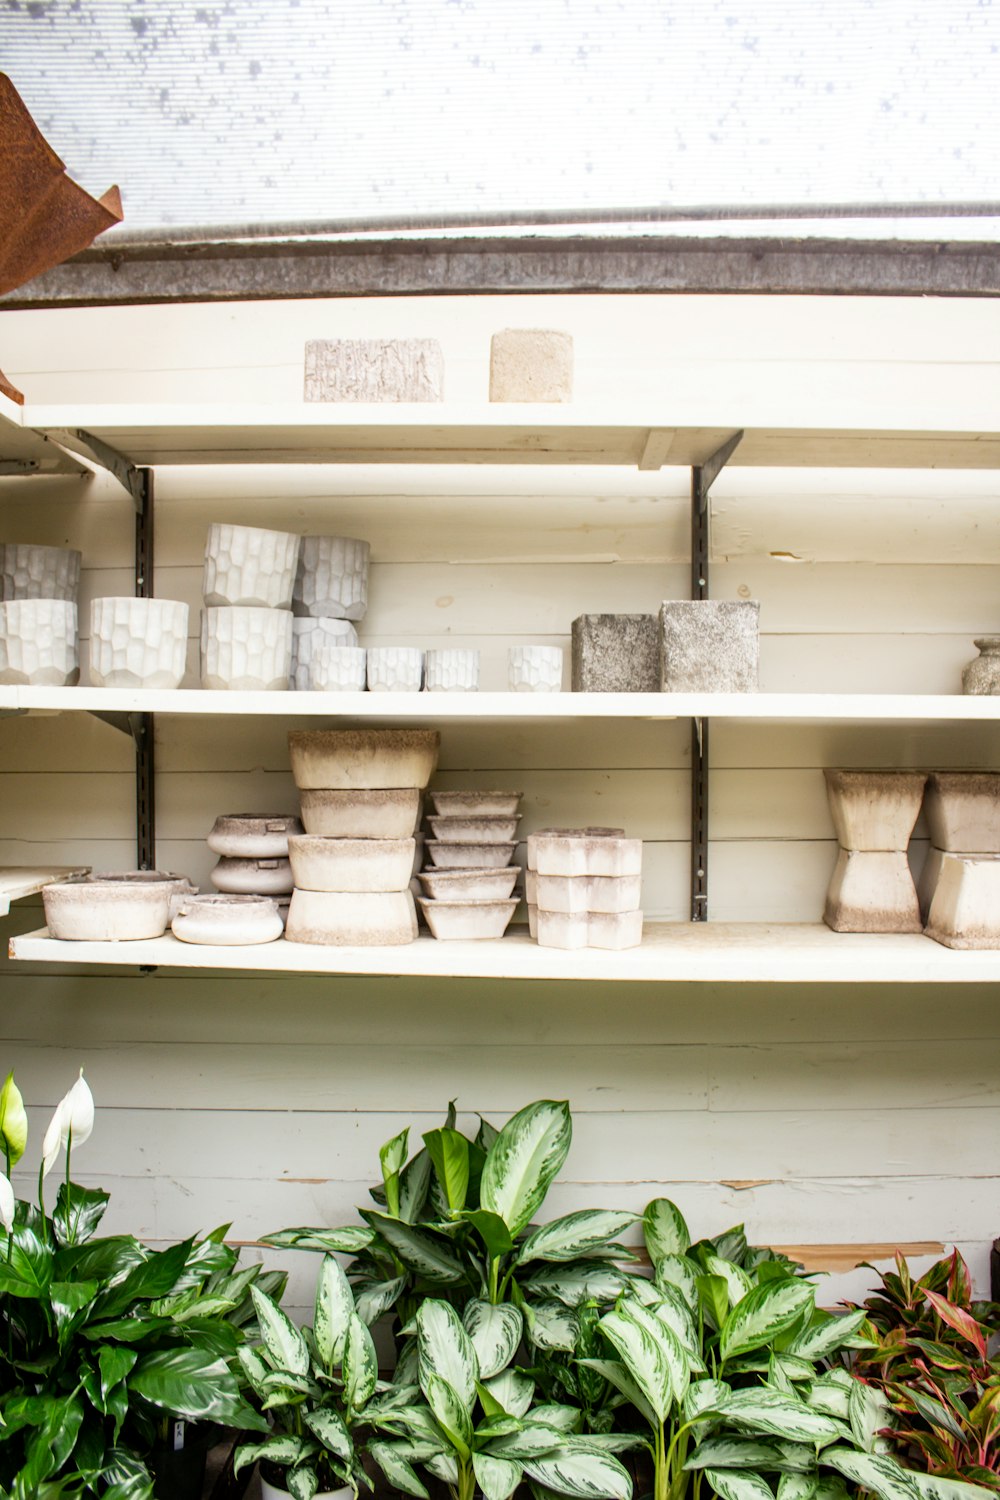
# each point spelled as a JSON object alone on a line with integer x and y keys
{"x": 712, "y": 952}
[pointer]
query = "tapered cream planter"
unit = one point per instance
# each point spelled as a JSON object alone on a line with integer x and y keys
{"x": 473, "y": 921}
{"x": 965, "y": 911}
{"x": 474, "y": 803}
{"x": 138, "y": 643}
{"x": 325, "y": 864}
{"x": 962, "y": 809}
{"x": 246, "y": 649}
{"x": 369, "y": 758}
{"x": 352, "y": 919}
{"x": 483, "y": 828}
{"x": 363, "y": 813}
{"x": 872, "y": 890}
{"x": 39, "y": 643}
{"x": 248, "y": 565}
{"x": 472, "y": 856}
{"x": 470, "y": 885}
{"x": 28, "y": 571}
{"x": 312, "y": 635}
{"x": 874, "y": 809}
{"x": 253, "y": 835}
{"x": 108, "y": 911}
{"x": 331, "y": 578}
{"x": 229, "y": 921}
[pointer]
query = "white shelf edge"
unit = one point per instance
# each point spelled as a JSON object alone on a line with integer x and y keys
{"x": 18, "y": 881}
{"x": 737, "y": 953}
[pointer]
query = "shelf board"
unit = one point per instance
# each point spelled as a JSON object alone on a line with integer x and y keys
{"x": 511, "y": 434}
{"x": 25, "y": 451}
{"x": 712, "y": 952}
{"x": 17, "y": 881}
{"x": 439, "y": 708}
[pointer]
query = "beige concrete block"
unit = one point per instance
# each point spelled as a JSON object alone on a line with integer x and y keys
{"x": 531, "y": 364}
{"x": 374, "y": 370}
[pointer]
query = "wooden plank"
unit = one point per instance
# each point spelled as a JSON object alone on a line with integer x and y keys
{"x": 18, "y": 881}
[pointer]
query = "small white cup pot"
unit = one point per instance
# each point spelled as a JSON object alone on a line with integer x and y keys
{"x": 332, "y": 577}
{"x": 451, "y": 670}
{"x": 339, "y": 669}
{"x": 535, "y": 669}
{"x": 28, "y": 571}
{"x": 138, "y": 642}
{"x": 250, "y": 566}
{"x": 39, "y": 642}
{"x": 395, "y": 669}
{"x": 245, "y": 649}
{"x": 309, "y": 635}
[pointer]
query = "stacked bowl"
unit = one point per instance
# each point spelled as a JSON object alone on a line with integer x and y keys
{"x": 583, "y": 888}
{"x": 246, "y": 624}
{"x": 39, "y": 625}
{"x": 471, "y": 876}
{"x": 330, "y": 592}
{"x": 253, "y": 861}
{"x": 361, "y": 801}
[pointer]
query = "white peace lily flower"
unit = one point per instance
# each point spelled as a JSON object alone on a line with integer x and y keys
{"x": 73, "y": 1119}
{"x": 6, "y": 1203}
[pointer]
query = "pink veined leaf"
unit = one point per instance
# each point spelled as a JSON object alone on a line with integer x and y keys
{"x": 957, "y": 1318}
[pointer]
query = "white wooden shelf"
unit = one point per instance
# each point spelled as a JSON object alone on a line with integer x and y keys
{"x": 438, "y": 708}
{"x": 23, "y": 450}
{"x": 854, "y": 436}
{"x": 711, "y": 952}
{"x": 17, "y": 881}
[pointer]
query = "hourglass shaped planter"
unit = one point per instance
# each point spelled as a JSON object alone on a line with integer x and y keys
{"x": 872, "y": 889}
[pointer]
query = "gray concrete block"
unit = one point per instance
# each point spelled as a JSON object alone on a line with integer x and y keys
{"x": 374, "y": 370}
{"x": 531, "y": 364}
{"x": 616, "y": 654}
{"x": 709, "y": 646}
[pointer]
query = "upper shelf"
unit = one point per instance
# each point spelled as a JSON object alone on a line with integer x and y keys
{"x": 509, "y": 434}
{"x": 25, "y": 451}
{"x": 18, "y": 881}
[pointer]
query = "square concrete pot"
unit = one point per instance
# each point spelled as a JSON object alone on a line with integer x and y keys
{"x": 616, "y": 654}
{"x": 965, "y": 911}
{"x": 874, "y": 809}
{"x": 709, "y": 646}
{"x": 872, "y": 891}
{"x": 962, "y": 809}
{"x": 138, "y": 643}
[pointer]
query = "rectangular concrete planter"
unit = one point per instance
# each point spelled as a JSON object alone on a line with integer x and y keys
{"x": 709, "y": 646}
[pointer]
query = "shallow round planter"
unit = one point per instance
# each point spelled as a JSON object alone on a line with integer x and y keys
{"x": 874, "y": 810}
{"x": 108, "y": 911}
{"x": 474, "y": 856}
{"x": 329, "y": 864}
{"x": 352, "y": 919}
{"x": 451, "y": 670}
{"x": 227, "y": 920}
{"x": 395, "y": 669}
{"x": 252, "y": 877}
{"x": 364, "y": 813}
{"x": 470, "y": 885}
{"x": 484, "y": 829}
{"x": 470, "y": 920}
{"x": 309, "y": 636}
{"x": 28, "y": 571}
{"x": 332, "y": 577}
{"x": 249, "y": 565}
{"x": 138, "y": 643}
{"x": 246, "y": 649}
{"x": 372, "y": 758}
{"x": 39, "y": 643}
{"x": 471, "y": 804}
{"x": 253, "y": 835}
{"x": 179, "y": 887}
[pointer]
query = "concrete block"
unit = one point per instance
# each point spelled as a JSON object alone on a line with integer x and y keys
{"x": 374, "y": 370}
{"x": 616, "y": 654}
{"x": 709, "y": 646}
{"x": 531, "y": 364}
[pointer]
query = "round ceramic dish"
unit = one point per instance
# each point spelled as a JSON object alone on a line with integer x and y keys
{"x": 469, "y": 856}
{"x": 384, "y": 813}
{"x": 481, "y": 830}
{"x": 321, "y": 864}
{"x": 473, "y": 804}
{"x": 373, "y": 758}
{"x": 252, "y": 877}
{"x": 108, "y": 911}
{"x": 471, "y": 920}
{"x": 228, "y": 921}
{"x": 469, "y": 885}
{"x": 352, "y": 919}
{"x": 253, "y": 836}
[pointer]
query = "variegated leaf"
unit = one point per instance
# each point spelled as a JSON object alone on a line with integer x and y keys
{"x": 644, "y": 1358}
{"x": 429, "y": 1254}
{"x": 397, "y": 1468}
{"x": 329, "y": 1427}
{"x": 553, "y": 1414}
{"x": 391, "y": 1157}
{"x": 738, "y": 1283}
{"x": 938, "y": 1487}
{"x": 254, "y": 1368}
{"x": 575, "y": 1235}
{"x": 523, "y": 1161}
{"x": 617, "y": 1375}
{"x": 360, "y": 1363}
{"x": 705, "y": 1396}
{"x": 677, "y": 1357}
{"x": 498, "y": 1478}
{"x": 832, "y": 1487}
{"x": 334, "y": 1309}
{"x": 731, "y": 1484}
{"x": 531, "y": 1441}
{"x": 449, "y": 1151}
{"x": 282, "y": 1340}
{"x": 734, "y": 1453}
{"x": 797, "y": 1486}
{"x": 678, "y": 1271}
{"x": 783, "y": 1416}
{"x": 553, "y": 1326}
{"x": 589, "y": 1281}
{"x": 883, "y": 1476}
{"x": 450, "y": 1413}
{"x": 278, "y": 1450}
{"x": 868, "y": 1411}
{"x": 351, "y": 1239}
{"x": 762, "y": 1314}
{"x": 495, "y": 1331}
{"x": 794, "y": 1368}
{"x": 831, "y": 1399}
{"x": 444, "y": 1467}
{"x": 825, "y": 1335}
{"x": 671, "y": 1309}
{"x": 664, "y": 1230}
{"x": 414, "y": 1181}
{"x": 512, "y": 1391}
{"x": 376, "y": 1298}
{"x": 582, "y": 1475}
{"x": 445, "y": 1350}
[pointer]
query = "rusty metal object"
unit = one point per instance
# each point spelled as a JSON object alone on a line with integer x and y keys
{"x": 45, "y": 217}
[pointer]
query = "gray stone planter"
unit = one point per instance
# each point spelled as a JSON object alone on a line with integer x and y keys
{"x": 709, "y": 646}
{"x": 616, "y": 654}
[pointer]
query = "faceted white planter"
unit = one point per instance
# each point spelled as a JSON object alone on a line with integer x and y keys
{"x": 451, "y": 671}
{"x": 252, "y": 836}
{"x": 387, "y": 813}
{"x": 138, "y": 642}
{"x": 965, "y": 911}
{"x": 348, "y": 919}
{"x": 309, "y": 636}
{"x": 28, "y": 571}
{"x": 230, "y": 921}
{"x": 872, "y": 890}
{"x": 39, "y": 642}
{"x": 332, "y": 577}
{"x": 339, "y": 669}
{"x": 874, "y": 809}
{"x": 248, "y": 565}
{"x": 246, "y": 649}
{"x": 395, "y": 669}
{"x": 535, "y": 669}
{"x": 323, "y": 864}
{"x": 375, "y": 758}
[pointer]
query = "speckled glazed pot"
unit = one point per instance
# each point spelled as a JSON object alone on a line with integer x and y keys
{"x": 373, "y": 758}
{"x": 109, "y": 911}
{"x": 28, "y": 571}
{"x": 253, "y": 835}
{"x": 332, "y": 577}
{"x": 249, "y": 565}
{"x": 323, "y": 864}
{"x": 383, "y": 813}
{"x": 39, "y": 643}
{"x": 352, "y": 919}
{"x": 246, "y": 649}
{"x": 138, "y": 642}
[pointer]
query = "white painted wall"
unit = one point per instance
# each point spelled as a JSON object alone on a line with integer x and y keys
{"x": 819, "y": 1115}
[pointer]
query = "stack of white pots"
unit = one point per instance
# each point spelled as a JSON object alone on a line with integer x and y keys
{"x": 253, "y": 855}
{"x": 959, "y": 888}
{"x": 330, "y": 592}
{"x": 361, "y": 803}
{"x": 874, "y": 812}
{"x": 39, "y": 622}
{"x": 469, "y": 882}
{"x": 246, "y": 625}
{"x": 583, "y": 888}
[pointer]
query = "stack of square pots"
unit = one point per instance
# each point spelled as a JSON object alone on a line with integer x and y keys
{"x": 469, "y": 881}
{"x": 959, "y": 887}
{"x": 331, "y": 591}
{"x": 253, "y": 855}
{"x": 583, "y": 888}
{"x": 39, "y": 616}
{"x": 874, "y": 812}
{"x": 361, "y": 803}
{"x": 246, "y": 625}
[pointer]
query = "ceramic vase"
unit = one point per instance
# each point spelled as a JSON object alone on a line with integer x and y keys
{"x": 452, "y": 670}
{"x": 138, "y": 643}
{"x": 395, "y": 669}
{"x": 246, "y": 649}
{"x": 309, "y": 636}
{"x": 28, "y": 571}
{"x": 982, "y": 675}
{"x": 332, "y": 577}
{"x": 39, "y": 642}
{"x": 534, "y": 669}
{"x": 248, "y": 565}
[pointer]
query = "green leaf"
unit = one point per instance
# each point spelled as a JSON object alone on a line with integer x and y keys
{"x": 738, "y": 1283}
{"x": 671, "y": 1309}
{"x": 825, "y": 1335}
{"x": 282, "y": 1340}
{"x": 573, "y": 1285}
{"x": 797, "y": 1486}
{"x": 428, "y": 1254}
{"x": 491, "y": 1229}
{"x": 67, "y": 1299}
{"x": 938, "y": 1487}
{"x": 282, "y": 1450}
{"x": 762, "y": 1314}
{"x": 187, "y": 1384}
{"x": 524, "y": 1160}
{"x": 574, "y": 1235}
{"x": 679, "y": 1272}
{"x": 882, "y": 1476}
{"x": 961, "y": 1321}
{"x": 78, "y": 1212}
{"x": 553, "y": 1327}
{"x": 333, "y": 1313}
{"x": 678, "y": 1359}
{"x": 783, "y": 1416}
{"x": 400, "y": 1473}
{"x": 724, "y": 1452}
{"x": 617, "y": 1375}
{"x": 328, "y": 1426}
{"x": 114, "y": 1364}
{"x": 392, "y": 1156}
{"x": 713, "y": 1295}
{"x": 450, "y": 1413}
{"x": 13, "y": 1121}
{"x": 512, "y": 1391}
{"x": 584, "y": 1475}
{"x": 527, "y": 1441}
{"x": 446, "y": 1351}
{"x": 732, "y": 1486}
{"x": 664, "y": 1230}
{"x": 643, "y": 1357}
{"x": 495, "y": 1332}
{"x": 498, "y": 1478}
{"x": 705, "y": 1396}
{"x": 868, "y": 1412}
{"x": 449, "y": 1152}
{"x": 360, "y": 1363}
{"x": 351, "y": 1239}
{"x": 414, "y": 1180}
{"x": 302, "y": 1481}
{"x": 372, "y": 1299}
{"x": 28, "y": 1268}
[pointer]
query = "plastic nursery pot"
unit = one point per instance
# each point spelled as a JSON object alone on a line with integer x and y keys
{"x": 179, "y": 1473}
{"x": 271, "y": 1491}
